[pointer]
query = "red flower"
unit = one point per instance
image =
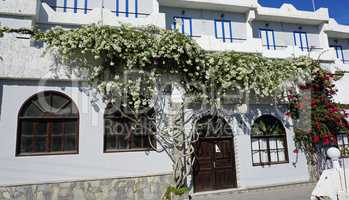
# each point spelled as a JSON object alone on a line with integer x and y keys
{"x": 296, "y": 151}
{"x": 316, "y": 139}
{"x": 288, "y": 114}
{"x": 326, "y": 140}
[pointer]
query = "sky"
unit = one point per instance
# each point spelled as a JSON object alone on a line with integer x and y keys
{"x": 339, "y": 9}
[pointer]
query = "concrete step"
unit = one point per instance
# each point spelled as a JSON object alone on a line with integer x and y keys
{"x": 297, "y": 191}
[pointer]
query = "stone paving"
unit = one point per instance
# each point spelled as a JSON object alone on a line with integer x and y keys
{"x": 286, "y": 192}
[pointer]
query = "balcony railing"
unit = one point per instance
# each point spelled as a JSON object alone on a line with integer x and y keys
{"x": 86, "y": 10}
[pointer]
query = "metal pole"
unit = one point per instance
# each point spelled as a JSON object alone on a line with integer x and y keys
{"x": 314, "y": 7}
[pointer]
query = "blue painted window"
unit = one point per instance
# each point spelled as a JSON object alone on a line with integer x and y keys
{"x": 301, "y": 40}
{"x": 130, "y": 6}
{"x": 268, "y": 38}
{"x": 339, "y": 52}
{"x": 223, "y": 30}
{"x": 74, "y": 6}
{"x": 183, "y": 25}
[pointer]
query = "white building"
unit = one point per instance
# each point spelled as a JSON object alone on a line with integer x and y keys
{"x": 79, "y": 164}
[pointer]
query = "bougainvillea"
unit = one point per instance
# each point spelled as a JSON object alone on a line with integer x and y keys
{"x": 324, "y": 118}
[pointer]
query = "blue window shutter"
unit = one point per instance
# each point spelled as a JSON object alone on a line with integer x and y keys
{"x": 126, "y": 9}
{"x": 215, "y": 28}
{"x": 231, "y": 31}
{"x": 136, "y": 8}
{"x": 306, "y": 39}
{"x": 191, "y": 27}
{"x": 75, "y": 6}
{"x": 117, "y": 7}
{"x": 86, "y": 7}
{"x": 65, "y": 6}
{"x": 274, "y": 43}
{"x": 223, "y": 31}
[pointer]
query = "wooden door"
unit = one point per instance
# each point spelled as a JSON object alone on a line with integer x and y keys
{"x": 214, "y": 168}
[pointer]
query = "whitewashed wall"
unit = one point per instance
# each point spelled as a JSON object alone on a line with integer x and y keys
{"x": 284, "y": 32}
{"x": 90, "y": 163}
{"x": 203, "y": 21}
{"x": 295, "y": 171}
{"x": 345, "y": 45}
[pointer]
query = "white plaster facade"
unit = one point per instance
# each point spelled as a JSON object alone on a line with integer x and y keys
{"x": 23, "y": 65}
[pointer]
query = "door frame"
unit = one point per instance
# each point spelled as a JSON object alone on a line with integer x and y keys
{"x": 234, "y": 178}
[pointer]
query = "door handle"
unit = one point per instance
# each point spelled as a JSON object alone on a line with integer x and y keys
{"x": 214, "y": 164}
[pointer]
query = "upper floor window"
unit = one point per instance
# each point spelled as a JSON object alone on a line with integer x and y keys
{"x": 127, "y": 8}
{"x": 268, "y": 141}
{"x": 48, "y": 123}
{"x": 343, "y": 144}
{"x": 124, "y": 131}
{"x": 339, "y": 52}
{"x": 71, "y": 6}
{"x": 301, "y": 40}
{"x": 183, "y": 25}
{"x": 268, "y": 38}
{"x": 223, "y": 30}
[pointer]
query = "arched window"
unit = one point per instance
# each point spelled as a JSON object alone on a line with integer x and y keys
{"x": 48, "y": 124}
{"x": 124, "y": 131}
{"x": 268, "y": 141}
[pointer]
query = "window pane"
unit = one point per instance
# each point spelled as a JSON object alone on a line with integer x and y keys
{"x": 69, "y": 143}
{"x": 110, "y": 141}
{"x": 122, "y": 142}
{"x": 27, "y": 128}
{"x": 32, "y": 110}
{"x": 187, "y": 26}
{"x": 263, "y": 143}
{"x": 40, "y": 144}
{"x": 41, "y": 128}
{"x": 264, "y": 37}
{"x": 255, "y": 145}
{"x": 282, "y": 155}
{"x": 137, "y": 141}
{"x": 26, "y": 144}
{"x": 58, "y": 101}
{"x": 272, "y": 143}
{"x": 273, "y": 156}
{"x": 70, "y": 128}
{"x": 264, "y": 156}
{"x": 57, "y": 128}
{"x": 227, "y": 30}
{"x": 345, "y": 139}
{"x": 255, "y": 157}
{"x": 271, "y": 39}
{"x": 219, "y": 33}
{"x": 56, "y": 143}
{"x": 281, "y": 143}
{"x": 340, "y": 139}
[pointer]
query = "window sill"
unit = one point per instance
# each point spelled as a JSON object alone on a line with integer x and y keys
{"x": 269, "y": 164}
{"x": 128, "y": 150}
{"x": 47, "y": 154}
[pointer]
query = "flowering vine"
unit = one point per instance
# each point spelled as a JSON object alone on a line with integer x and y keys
{"x": 324, "y": 117}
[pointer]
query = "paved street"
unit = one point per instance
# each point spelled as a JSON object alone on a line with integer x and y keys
{"x": 287, "y": 192}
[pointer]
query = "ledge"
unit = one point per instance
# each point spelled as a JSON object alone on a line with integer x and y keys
{"x": 289, "y": 14}
{"x": 240, "y": 6}
{"x": 328, "y": 55}
{"x": 210, "y": 43}
{"x": 333, "y": 29}
{"x": 18, "y": 7}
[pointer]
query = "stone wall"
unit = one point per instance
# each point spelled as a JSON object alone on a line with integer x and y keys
{"x": 139, "y": 188}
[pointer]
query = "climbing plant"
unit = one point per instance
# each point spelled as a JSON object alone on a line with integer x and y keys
{"x": 324, "y": 117}
{"x": 130, "y": 63}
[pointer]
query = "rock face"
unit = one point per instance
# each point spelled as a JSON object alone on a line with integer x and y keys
{"x": 140, "y": 188}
